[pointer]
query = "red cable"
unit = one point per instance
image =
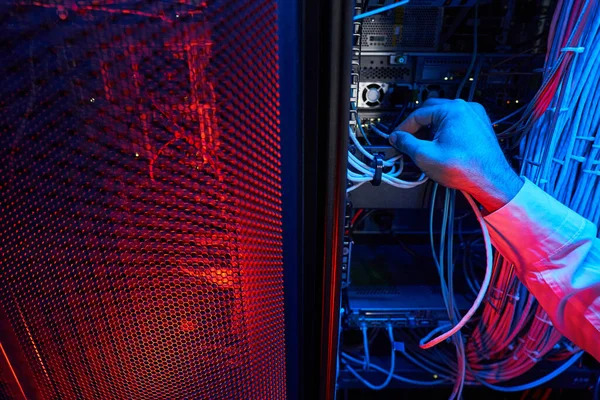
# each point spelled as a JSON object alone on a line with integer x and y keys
{"x": 356, "y": 215}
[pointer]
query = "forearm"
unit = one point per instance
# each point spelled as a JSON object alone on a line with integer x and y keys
{"x": 557, "y": 256}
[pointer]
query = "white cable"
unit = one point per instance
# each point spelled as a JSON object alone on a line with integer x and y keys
{"x": 366, "y": 173}
{"x": 348, "y": 357}
{"x": 379, "y": 132}
{"x": 357, "y": 144}
{"x": 353, "y": 187}
{"x": 512, "y": 114}
{"x": 391, "y": 180}
{"x": 386, "y": 163}
{"x": 484, "y": 286}
{"x": 390, "y": 373}
{"x": 366, "y": 346}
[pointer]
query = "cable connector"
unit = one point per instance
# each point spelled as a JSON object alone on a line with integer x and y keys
{"x": 378, "y": 165}
{"x": 573, "y": 49}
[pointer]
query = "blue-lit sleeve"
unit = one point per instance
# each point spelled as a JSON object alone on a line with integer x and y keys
{"x": 557, "y": 256}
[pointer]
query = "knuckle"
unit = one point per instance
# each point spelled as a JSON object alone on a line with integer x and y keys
{"x": 459, "y": 104}
{"x": 478, "y": 108}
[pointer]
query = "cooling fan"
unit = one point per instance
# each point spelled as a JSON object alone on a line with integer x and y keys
{"x": 372, "y": 94}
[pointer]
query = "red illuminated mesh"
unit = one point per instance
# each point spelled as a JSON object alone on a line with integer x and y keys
{"x": 141, "y": 247}
{"x": 7, "y": 385}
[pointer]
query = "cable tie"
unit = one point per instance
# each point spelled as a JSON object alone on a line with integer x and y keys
{"x": 534, "y": 359}
{"x": 514, "y": 297}
{"x": 563, "y": 109}
{"x": 494, "y": 297}
{"x": 590, "y": 138}
{"x": 556, "y": 160}
{"x": 573, "y": 49}
{"x": 546, "y": 321}
{"x": 378, "y": 165}
{"x": 596, "y": 146}
{"x": 589, "y": 171}
{"x": 531, "y": 353}
{"x": 578, "y": 158}
{"x": 534, "y": 352}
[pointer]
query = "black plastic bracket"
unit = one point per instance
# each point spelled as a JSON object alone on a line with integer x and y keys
{"x": 378, "y": 164}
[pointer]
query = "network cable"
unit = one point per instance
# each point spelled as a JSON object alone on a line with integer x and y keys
{"x": 390, "y": 373}
{"x": 359, "y": 173}
{"x": 557, "y": 134}
{"x": 509, "y": 116}
{"x": 380, "y": 10}
{"x": 346, "y": 357}
{"x": 535, "y": 383}
{"x": 473, "y": 57}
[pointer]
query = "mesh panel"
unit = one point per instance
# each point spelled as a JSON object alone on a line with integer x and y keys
{"x": 405, "y": 28}
{"x": 7, "y": 391}
{"x": 141, "y": 233}
{"x": 384, "y": 73}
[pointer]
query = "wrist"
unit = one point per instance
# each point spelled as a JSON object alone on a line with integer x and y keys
{"x": 495, "y": 192}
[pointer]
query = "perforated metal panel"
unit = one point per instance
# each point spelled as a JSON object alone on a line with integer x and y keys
{"x": 141, "y": 251}
{"x": 405, "y": 28}
{"x": 384, "y": 73}
{"x": 7, "y": 390}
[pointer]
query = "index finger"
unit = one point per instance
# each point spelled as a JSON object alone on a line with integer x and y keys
{"x": 435, "y": 101}
{"x": 420, "y": 118}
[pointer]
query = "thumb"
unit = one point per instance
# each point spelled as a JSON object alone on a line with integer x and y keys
{"x": 408, "y": 144}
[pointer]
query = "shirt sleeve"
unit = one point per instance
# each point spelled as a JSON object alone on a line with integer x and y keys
{"x": 557, "y": 256}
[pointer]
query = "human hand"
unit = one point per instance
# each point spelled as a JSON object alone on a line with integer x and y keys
{"x": 464, "y": 152}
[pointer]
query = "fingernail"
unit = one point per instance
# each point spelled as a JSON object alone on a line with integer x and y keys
{"x": 392, "y": 138}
